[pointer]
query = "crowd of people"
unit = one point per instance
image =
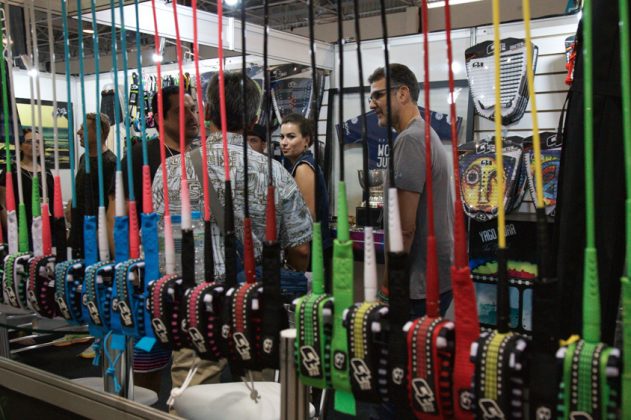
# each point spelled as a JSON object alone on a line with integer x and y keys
{"x": 297, "y": 183}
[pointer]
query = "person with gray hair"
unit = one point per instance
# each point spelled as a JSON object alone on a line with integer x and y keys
{"x": 292, "y": 214}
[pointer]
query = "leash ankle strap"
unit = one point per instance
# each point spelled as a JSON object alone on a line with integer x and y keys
{"x": 500, "y": 375}
{"x": 313, "y": 339}
{"x": 167, "y": 299}
{"x": 41, "y": 287}
{"x": 367, "y": 351}
{"x": 591, "y": 379}
{"x": 204, "y": 309}
{"x": 129, "y": 302}
{"x": 242, "y": 325}
{"x": 9, "y": 281}
{"x": 16, "y": 275}
{"x": 430, "y": 361}
{"x": 68, "y": 277}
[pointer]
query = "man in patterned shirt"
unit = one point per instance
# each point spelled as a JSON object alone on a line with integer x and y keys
{"x": 292, "y": 215}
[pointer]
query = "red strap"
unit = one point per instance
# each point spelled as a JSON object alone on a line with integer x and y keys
{"x": 46, "y": 239}
{"x": 134, "y": 238}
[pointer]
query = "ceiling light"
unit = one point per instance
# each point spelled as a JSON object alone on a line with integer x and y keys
{"x": 441, "y": 3}
{"x": 231, "y": 2}
{"x": 88, "y": 31}
{"x": 157, "y": 58}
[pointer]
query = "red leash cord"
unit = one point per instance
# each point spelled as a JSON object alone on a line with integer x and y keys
{"x": 200, "y": 110}
{"x": 431, "y": 270}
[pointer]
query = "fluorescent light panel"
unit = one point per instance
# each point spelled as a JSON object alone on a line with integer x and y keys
{"x": 441, "y": 3}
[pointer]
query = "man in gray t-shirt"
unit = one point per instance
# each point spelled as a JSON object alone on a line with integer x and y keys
{"x": 409, "y": 167}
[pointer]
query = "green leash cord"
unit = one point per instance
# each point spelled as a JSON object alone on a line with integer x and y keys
{"x": 586, "y": 383}
{"x": 342, "y": 275}
{"x": 5, "y": 111}
{"x": 591, "y": 294}
{"x": 625, "y": 59}
{"x": 342, "y": 300}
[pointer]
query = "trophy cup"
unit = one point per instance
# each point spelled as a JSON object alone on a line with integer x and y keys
{"x": 375, "y": 187}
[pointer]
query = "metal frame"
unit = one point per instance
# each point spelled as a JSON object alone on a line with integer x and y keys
{"x": 77, "y": 399}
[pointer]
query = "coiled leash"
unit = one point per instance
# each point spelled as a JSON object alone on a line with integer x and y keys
{"x": 11, "y": 246}
{"x": 275, "y": 317}
{"x": 121, "y": 312}
{"x": 68, "y": 270}
{"x": 153, "y": 303}
{"x": 42, "y": 268}
{"x": 128, "y": 266}
{"x": 11, "y": 243}
{"x": 342, "y": 275}
{"x": 314, "y": 311}
{"x": 398, "y": 286}
{"x": 591, "y": 369}
{"x": 500, "y": 355}
{"x": 168, "y": 301}
{"x": 367, "y": 339}
{"x": 99, "y": 274}
{"x": 16, "y": 270}
{"x": 205, "y": 302}
{"x": 466, "y": 319}
{"x": 69, "y": 274}
{"x": 133, "y": 275}
{"x": 244, "y": 304}
{"x": 430, "y": 338}
{"x": 543, "y": 163}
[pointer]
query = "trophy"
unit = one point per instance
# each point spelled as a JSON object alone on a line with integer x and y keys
{"x": 375, "y": 187}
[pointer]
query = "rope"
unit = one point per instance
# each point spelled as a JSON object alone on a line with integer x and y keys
{"x": 177, "y": 391}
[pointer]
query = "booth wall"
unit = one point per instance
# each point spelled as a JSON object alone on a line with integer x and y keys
{"x": 548, "y": 34}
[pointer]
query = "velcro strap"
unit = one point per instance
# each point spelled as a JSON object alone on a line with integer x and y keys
{"x": 431, "y": 345}
{"x": 41, "y": 293}
{"x": 591, "y": 380}
{"x": 9, "y": 281}
{"x": 367, "y": 352}
{"x": 68, "y": 279}
{"x": 313, "y": 340}
{"x": 204, "y": 309}
{"x": 500, "y": 367}
{"x": 166, "y": 310}
{"x": 242, "y": 326}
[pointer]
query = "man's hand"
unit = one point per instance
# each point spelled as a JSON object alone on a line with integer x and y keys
{"x": 408, "y": 206}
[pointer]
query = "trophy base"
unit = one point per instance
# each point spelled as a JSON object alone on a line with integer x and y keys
{"x": 374, "y": 214}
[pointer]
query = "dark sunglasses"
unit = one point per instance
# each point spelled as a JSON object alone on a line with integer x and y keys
{"x": 378, "y": 94}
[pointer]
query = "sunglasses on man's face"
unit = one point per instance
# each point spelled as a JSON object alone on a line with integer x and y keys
{"x": 378, "y": 94}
